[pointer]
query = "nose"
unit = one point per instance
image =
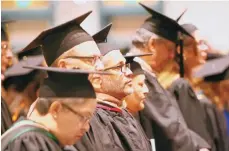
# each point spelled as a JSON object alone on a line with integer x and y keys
{"x": 145, "y": 89}
{"x": 128, "y": 72}
{"x": 85, "y": 127}
{"x": 99, "y": 65}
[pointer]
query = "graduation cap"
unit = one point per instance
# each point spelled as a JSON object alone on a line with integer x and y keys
{"x": 214, "y": 70}
{"x": 167, "y": 28}
{"x": 31, "y": 57}
{"x": 66, "y": 83}
{"x": 101, "y": 40}
{"x": 57, "y": 40}
{"x": 135, "y": 67}
{"x": 19, "y": 76}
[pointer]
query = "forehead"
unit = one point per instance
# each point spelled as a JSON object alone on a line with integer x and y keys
{"x": 88, "y": 48}
{"x": 113, "y": 58}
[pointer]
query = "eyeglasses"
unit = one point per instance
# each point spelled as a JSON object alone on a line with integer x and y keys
{"x": 83, "y": 119}
{"x": 87, "y": 59}
{"x": 123, "y": 68}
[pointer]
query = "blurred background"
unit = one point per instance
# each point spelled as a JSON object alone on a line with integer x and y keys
{"x": 33, "y": 16}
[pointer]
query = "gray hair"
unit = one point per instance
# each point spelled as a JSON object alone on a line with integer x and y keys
{"x": 141, "y": 39}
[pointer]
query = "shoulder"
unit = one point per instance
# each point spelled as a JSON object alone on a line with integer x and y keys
{"x": 34, "y": 141}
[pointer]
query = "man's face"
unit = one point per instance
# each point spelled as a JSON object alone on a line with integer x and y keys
{"x": 73, "y": 121}
{"x": 163, "y": 52}
{"x": 84, "y": 56}
{"x": 7, "y": 56}
{"x": 135, "y": 101}
{"x": 117, "y": 85}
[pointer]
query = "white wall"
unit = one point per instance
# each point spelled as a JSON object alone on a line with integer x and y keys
{"x": 212, "y": 18}
{"x": 66, "y": 10}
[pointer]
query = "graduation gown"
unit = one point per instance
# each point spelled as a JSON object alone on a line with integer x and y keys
{"x": 161, "y": 115}
{"x": 6, "y": 119}
{"x": 190, "y": 107}
{"x": 31, "y": 141}
{"x": 215, "y": 125}
{"x": 112, "y": 129}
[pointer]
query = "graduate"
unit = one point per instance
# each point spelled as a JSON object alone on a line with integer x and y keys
{"x": 215, "y": 73}
{"x": 112, "y": 127}
{"x": 160, "y": 35}
{"x": 6, "y": 62}
{"x": 135, "y": 101}
{"x": 22, "y": 84}
{"x": 66, "y": 96}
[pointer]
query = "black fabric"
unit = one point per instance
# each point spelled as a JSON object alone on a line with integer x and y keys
{"x": 101, "y": 36}
{"x": 33, "y": 141}
{"x": 162, "y": 25}
{"x": 163, "y": 118}
{"x": 190, "y": 107}
{"x": 57, "y": 40}
{"x": 6, "y": 119}
{"x": 113, "y": 131}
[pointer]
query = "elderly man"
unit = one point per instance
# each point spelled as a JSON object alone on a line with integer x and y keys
{"x": 66, "y": 96}
{"x": 161, "y": 116}
{"x": 112, "y": 127}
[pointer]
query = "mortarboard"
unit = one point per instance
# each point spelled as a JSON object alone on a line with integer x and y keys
{"x": 163, "y": 26}
{"x": 66, "y": 83}
{"x": 101, "y": 40}
{"x": 135, "y": 67}
{"x": 57, "y": 40}
{"x": 214, "y": 70}
{"x": 167, "y": 28}
{"x": 31, "y": 57}
{"x": 19, "y": 76}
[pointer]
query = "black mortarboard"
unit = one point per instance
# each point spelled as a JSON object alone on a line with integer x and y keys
{"x": 167, "y": 28}
{"x": 162, "y": 25}
{"x": 214, "y": 70}
{"x": 101, "y": 40}
{"x": 30, "y": 57}
{"x": 29, "y": 53}
{"x": 17, "y": 75}
{"x": 66, "y": 83}
{"x": 135, "y": 67}
{"x": 57, "y": 40}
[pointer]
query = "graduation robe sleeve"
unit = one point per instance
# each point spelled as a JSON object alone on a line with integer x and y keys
{"x": 6, "y": 119}
{"x": 159, "y": 107}
{"x": 190, "y": 107}
{"x": 33, "y": 141}
{"x": 113, "y": 131}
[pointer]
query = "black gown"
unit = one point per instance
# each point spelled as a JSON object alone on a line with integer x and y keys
{"x": 6, "y": 119}
{"x": 31, "y": 141}
{"x": 191, "y": 108}
{"x": 163, "y": 118}
{"x": 112, "y": 130}
{"x": 216, "y": 125}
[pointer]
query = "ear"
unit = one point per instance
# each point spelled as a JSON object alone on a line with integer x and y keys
{"x": 151, "y": 44}
{"x": 55, "y": 108}
{"x": 61, "y": 63}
